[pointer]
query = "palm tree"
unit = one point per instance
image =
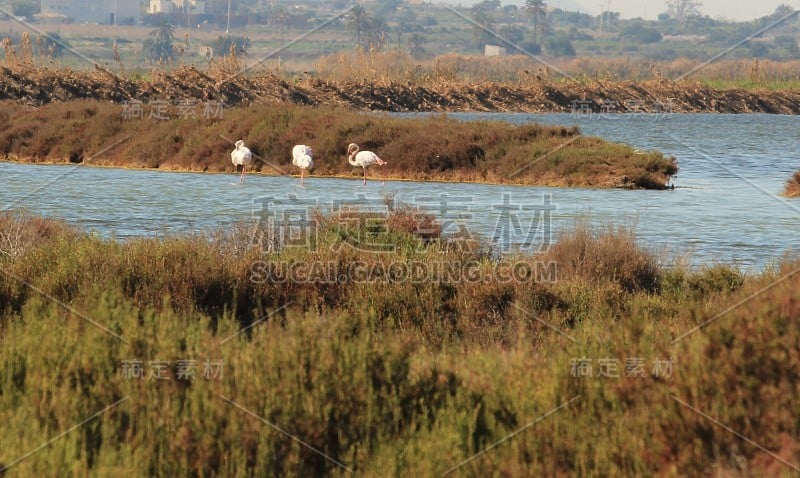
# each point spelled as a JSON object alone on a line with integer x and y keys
{"x": 536, "y": 10}
{"x": 358, "y": 21}
{"x": 513, "y": 35}
{"x": 281, "y": 18}
{"x": 376, "y": 34}
{"x": 681, "y": 9}
{"x": 160, "y": 45}
{"x": 399, "y": 31}
{"x": 416, "y": 45}
{"x": 484, "y": 23}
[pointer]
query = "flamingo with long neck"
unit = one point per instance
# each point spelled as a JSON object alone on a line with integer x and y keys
{"x": 241, "y": 156}
{"x": 362, "y": 159}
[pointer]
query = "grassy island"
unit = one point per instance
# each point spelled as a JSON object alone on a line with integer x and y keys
{"x": 433, "y": 148}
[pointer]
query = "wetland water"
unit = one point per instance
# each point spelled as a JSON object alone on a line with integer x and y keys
{"x": 726, "y": 206}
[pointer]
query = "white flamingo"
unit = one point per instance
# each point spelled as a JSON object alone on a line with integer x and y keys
{"x": 363, "y": 159}
{"x": 301, "y": 157}
{"x": 241, "y": 156}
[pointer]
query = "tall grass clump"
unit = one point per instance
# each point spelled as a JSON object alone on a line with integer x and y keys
{"x": 242, "y": 372}
{"x": 793, "y": 185}
{"x": 609, "y": 254}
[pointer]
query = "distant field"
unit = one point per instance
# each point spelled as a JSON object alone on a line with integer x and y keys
{"x": 321, "y": 53}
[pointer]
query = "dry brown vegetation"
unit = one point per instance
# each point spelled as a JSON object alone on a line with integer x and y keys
{"x": 433, "y": 148}
{"x": 383, "y": 374}
{"x": 399, "y": 66}
{"x": 793, "y": 186}
{"x": 368, "y": 91}
{"x": 611, "y": 254}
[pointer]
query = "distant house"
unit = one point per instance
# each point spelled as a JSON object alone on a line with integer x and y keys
{"x": 206, "y": 51}
{"x": 493, "y": 50}
{"x": 109, "y": 12}
{"x": 195, "y": 7}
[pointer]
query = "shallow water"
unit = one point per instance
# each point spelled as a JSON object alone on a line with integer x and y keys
{"x": 726, "y": 207}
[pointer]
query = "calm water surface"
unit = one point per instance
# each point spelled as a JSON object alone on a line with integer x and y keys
{"x": 726, "y": 206}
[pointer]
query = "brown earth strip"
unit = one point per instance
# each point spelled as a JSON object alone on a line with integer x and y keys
{"x": 38, "y": 86}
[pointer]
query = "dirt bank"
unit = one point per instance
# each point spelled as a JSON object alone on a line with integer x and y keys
{"x": 41, "y": 86}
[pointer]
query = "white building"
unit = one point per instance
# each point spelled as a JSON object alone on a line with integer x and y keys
{"x": 95, "y": 11}
{"x": 493, "y": 50}
{"x": 195, "y": 7}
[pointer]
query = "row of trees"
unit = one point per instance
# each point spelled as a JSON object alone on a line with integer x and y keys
{"x": 530, "y": 28}
{"x": 370, "y": 33}
{"x": 373, "y": 33}
{"x": 513, "y": 36}
{"x": 161, "y": 46}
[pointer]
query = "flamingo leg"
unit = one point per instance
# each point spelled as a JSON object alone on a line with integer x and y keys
{"x": 381, "y": 163}
{"x": 365, "y": 176}
{"x": 244, "y": 171}
{"x": 301, "y": 176}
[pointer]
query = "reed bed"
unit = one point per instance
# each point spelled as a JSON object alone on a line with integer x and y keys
{"x": 397, "y": 66}
{"x": 617, "y": 366}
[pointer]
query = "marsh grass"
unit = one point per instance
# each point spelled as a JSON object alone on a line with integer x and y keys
{"x": 455, "y": 69}
{"x": 388, "y": 378}
{"x": 793, "y": 185}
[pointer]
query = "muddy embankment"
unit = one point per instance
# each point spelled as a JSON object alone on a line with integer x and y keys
{"x": 42, "y": 86}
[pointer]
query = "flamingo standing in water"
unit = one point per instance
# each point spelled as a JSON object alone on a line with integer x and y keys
{"x": 241, "y": 156}
{"x": 363, "y": 159}
{"x": 301, "y": 157}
